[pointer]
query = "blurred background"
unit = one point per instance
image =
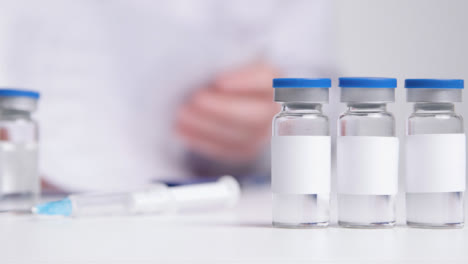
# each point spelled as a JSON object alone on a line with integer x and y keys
{"x": 134, "y": 91}
{"x": 403, "y": 39}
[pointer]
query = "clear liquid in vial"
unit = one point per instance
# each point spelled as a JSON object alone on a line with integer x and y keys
{"x": 366, "y": 211}
{"x": 301, "y": 210}
{"x": 19, "y": 179}
{"x": 435, "y": 210}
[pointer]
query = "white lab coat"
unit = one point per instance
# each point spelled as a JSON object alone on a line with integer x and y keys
{"x": 113, "y": 73}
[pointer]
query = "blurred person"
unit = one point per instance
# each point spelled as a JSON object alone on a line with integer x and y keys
{"x": 134, "y": 91}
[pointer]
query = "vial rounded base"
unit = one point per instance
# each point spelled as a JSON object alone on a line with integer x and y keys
{"x": 366, "y": 225}
{"x": 435, "y": 226}
{"x": 435, "y": 210}
{"x": 18, "y": 201}
{"x": 300, "y": 210}
{"x": 301, "y": 225}
{"x": 366, "y": 211}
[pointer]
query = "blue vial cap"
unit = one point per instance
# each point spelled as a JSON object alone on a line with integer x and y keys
{"x": 19, "y": 93}
{"x": 367, "y": 82}
{"x": 435, "y": 83}
{"x": 301, "y": 83}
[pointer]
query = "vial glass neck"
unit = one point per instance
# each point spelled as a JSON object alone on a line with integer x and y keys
{"x": 434, "y": 107}
{"x": 302, "y": 107}
{"x": 367, "y": 107}
{"x": 6, "y": 113}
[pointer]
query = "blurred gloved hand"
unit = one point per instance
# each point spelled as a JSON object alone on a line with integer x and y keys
{"x": 230, "y": 121}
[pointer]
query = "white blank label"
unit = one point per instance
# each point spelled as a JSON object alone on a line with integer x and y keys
{"x": 300, "y": 164}
{"x": 435, "y": 163}
{"x": 367, "y": 165}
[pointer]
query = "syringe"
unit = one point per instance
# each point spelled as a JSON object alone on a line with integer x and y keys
{"x": 157, "y": 199}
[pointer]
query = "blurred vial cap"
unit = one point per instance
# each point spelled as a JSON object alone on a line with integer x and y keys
{"x": 18, "y": 99}
{"x": 367, "y": 89}
{"x": 434, "y": 90}
{"x": 301, "y": 90}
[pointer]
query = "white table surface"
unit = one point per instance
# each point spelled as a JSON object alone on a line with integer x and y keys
{"x": 241, "y": 235}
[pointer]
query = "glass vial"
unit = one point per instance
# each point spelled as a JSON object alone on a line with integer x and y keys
{"x": 301, "y": 154}
{"x": 435, "y": 155}
{"x": 19, "y": 179}
{"x": 367, "y": 154}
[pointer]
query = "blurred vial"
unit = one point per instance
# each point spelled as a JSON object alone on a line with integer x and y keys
{"x": 301, "y": 154}
{"x": 435, "y": 154}
{"x": 19, "y": 179}
{"x": 367, "y": 154}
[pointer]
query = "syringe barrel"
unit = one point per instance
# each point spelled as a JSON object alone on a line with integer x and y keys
{"x": 223, "y": 193}
{"x": 154, "y": 199}
{"x": 101, "y": 204}
{"x": 160, "y": 199}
